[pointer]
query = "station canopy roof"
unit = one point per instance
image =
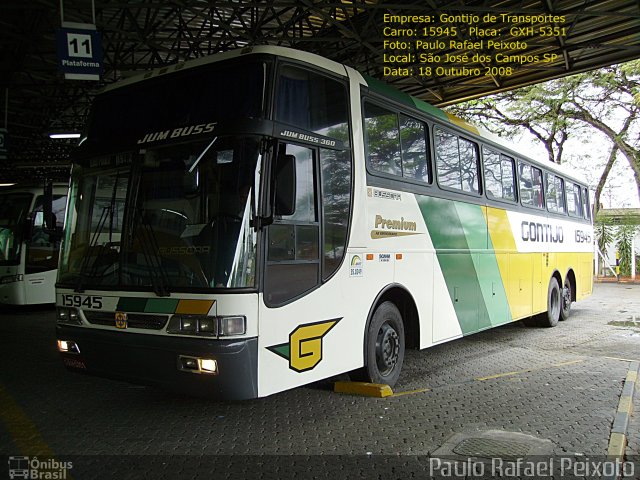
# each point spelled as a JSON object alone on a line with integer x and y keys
{"x": 139, "y": 35}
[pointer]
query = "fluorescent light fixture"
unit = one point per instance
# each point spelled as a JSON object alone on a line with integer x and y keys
{"x": 64, "y": 135}
{"x": 7, "y": 184}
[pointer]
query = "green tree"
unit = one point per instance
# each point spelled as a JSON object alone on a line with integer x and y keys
{"x": 624, "y": 237}
{"x": 605, "y": 101}
{"x": 604, "y": 232}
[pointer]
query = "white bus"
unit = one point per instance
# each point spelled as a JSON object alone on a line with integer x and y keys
{"x": 254, "y": 221}
{"x": 29, "y": 247}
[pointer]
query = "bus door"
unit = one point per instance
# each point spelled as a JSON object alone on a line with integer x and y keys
{"x": 296, "y": 317}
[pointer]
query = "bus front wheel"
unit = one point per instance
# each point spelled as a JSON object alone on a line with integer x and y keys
{"x": 384, "y": 349}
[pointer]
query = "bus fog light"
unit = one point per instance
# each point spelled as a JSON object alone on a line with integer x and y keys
{"x": 67, "y": 346}
{"x": 208, "y": 365}
{"x": 188, "y": 363}
{"x": 197, "y": 365}
{"x": 233, "y": 326}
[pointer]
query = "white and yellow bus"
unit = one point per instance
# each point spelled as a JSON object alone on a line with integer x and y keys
{"x": 254, "y": 221}
{"x": 29, "y": 245}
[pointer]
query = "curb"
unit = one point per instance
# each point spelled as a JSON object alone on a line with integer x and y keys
{"x": 618, "y": 438}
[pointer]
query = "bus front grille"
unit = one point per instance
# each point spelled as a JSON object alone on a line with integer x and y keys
{"x": 134, "y": 320}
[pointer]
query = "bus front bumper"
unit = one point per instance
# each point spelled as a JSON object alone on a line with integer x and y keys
{"x": 157, "y": 359}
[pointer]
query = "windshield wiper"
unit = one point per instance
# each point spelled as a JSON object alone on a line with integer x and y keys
{"x": 149, "y": 244}
{"x": 206, "y": 149}
{"x": 94, "y": 239}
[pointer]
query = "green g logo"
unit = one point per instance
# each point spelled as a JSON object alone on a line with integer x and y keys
{"x": 304, "y": 350}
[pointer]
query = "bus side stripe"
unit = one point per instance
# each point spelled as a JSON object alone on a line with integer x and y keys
{"x": 448, "y": 233}
{"x": 503, "y": 243}
{"x": 490, "y": 280}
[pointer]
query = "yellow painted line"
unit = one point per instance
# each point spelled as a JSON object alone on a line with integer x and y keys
{"x": 632, "y": 376}
{"x": 411, "y": 392}
{"x": 625, "y": 404}
{"x": 617, "y": 444}
{"x": 572, "y": 362}
{"x": 622, "y": 359}
{"x": 24, "y": 433}
{"x": 363, "y": 388}
{"x": 500, "y": 375}
{"x": 510, "y": 374}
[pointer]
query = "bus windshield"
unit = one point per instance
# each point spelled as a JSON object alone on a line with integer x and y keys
{"x": 14, "y": 208}
{"x": 164, "y": 218}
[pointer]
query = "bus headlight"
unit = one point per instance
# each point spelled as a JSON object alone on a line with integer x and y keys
{"x": 193, "y": 325}
{"x": 68, "y": 315}
{"x": 230, "y": 326}
{"x": 202, "y": 325}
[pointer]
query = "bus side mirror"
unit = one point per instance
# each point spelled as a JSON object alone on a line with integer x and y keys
{"x": 285, "y": 194}
{"x": 27, "y": 226}
{"x": 47, "y": 207}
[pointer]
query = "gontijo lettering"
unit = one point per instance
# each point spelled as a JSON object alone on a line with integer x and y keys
{"x": 542, "y": 232}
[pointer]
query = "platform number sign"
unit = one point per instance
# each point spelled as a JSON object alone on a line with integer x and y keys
{"x": 79, "y": 45}
{"x": 79, "y": 51}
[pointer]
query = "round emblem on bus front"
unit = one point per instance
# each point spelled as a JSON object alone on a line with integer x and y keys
{"x": 121, "y": 320}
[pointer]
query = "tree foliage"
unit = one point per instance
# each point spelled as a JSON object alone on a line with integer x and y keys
{"x": 605, "y": 101}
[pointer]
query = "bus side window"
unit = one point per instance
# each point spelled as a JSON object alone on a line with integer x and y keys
{"x": 44, "y": 244}
{"x": 457, "y": 162}
{"x": 382, "y": 139}
{"x": 335, "y": 169}
{"x": 413, "y": 135}
{"x": 313, "y": 102}
{"x": 574, "y": 204}
{"x": 531, "y": 185}
{"x": 447, "y": 159}
{"x": 499, "y": 175}
{"x": 586, "y": 210}
{"x": 555, "y": 193}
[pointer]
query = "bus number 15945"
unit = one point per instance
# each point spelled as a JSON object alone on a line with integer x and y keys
{"x": 80, "y": 301}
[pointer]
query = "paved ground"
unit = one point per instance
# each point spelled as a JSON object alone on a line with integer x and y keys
{"x": 551, "y": 391}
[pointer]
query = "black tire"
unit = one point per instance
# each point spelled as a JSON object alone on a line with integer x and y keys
{"x": 554, "y": 305}
{"x": 384, "y": 347}
{"x": 567, "y": 294}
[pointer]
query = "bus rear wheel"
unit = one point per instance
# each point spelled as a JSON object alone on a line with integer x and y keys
{"x": 385, "y": 344}
{"x": 567, "y": 294}
{"x": 554, "y": 305}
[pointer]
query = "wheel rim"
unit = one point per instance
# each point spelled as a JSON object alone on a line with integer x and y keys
{"x": 555, "y": 303}
{"x": 387, "y": 349}
{"x": 566, "y": 297}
